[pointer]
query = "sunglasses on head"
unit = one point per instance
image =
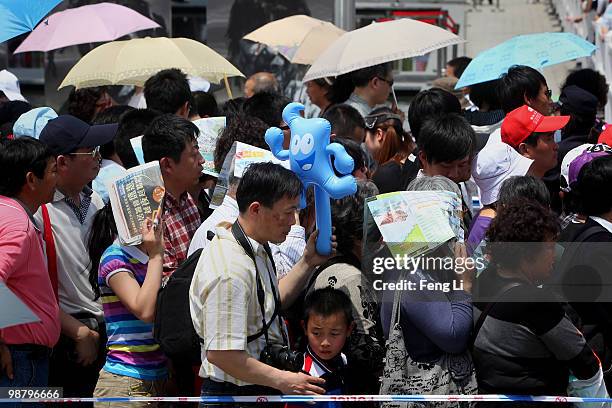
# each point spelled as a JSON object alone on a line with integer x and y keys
{"x": 372, "y": 120}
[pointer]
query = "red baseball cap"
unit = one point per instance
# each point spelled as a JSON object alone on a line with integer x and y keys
{"x": 519, "y": 124}
{"x": 606, "y": 136}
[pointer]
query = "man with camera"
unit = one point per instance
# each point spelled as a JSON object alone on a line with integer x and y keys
{"x": 235, "y": 297}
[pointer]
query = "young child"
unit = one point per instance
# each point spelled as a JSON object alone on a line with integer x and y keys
{"x": 328, "y": 322}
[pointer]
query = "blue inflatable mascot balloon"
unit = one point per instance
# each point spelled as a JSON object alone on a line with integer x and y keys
{"x": 309, "y": 156}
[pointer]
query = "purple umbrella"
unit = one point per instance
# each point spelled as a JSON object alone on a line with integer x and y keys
{"x": 85, "y": 24}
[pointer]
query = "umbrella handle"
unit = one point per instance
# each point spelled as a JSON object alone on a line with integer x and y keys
{"x": 227, "y": 87}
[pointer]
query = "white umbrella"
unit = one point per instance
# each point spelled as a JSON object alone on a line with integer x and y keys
{"x": 301, "y": 39}
{"x": 378, "y": 43}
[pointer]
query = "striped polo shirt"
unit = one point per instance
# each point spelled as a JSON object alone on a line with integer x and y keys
{"x": 132, "y": 351}
{"x": 223, "y": 301}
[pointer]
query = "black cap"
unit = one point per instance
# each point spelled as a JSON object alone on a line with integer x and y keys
{"x": 576, "y": 100}
{"x": 66, "y": 133}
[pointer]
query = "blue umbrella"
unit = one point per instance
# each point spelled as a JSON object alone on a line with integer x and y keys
{"x": 21, "y": 16}
{"x": 534, "y": 50}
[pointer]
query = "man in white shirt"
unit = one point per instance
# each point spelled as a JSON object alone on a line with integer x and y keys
{"x": 226, "y": 309}
{"x": 79, "y": 355}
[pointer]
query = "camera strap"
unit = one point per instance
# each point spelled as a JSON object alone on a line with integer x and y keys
{"x": 240, "y": 236}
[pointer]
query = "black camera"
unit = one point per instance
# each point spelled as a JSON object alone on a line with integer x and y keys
{"x": 281, "y": 357}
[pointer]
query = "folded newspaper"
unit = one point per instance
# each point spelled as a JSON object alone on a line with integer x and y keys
{"x": 135, "y": 197}
{"x": 210, "y": 130}
{"x": 415, "y": 222}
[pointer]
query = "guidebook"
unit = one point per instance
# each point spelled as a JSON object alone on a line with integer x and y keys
{"x": 415, "y": 222}
{"x": 134, "y": 197}
{"x": 210, "y": 130}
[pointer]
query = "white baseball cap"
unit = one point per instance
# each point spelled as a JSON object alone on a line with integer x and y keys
{"x": 565, "y": 164}
{"x": 9, "y": 84}
{"x": 198, "y": 84}
{"x": 495, "y": 163}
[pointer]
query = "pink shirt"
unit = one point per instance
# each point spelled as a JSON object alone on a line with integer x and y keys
{"x": 23, "y": 268}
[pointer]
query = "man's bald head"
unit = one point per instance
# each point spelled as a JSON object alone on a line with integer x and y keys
{"x": 261, "y": 82}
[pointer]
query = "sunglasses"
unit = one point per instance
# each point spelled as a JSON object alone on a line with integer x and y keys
{"x": 95, "y": 152}
{"x": 372, "y": 120}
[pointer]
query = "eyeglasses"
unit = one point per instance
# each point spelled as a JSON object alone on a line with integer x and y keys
{"x": 389, "y": 82}
{"x": 548, "y": 93}
{"x": 95, "y": 152}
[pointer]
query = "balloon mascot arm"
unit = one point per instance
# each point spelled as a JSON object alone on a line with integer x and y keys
{"x": 342, "y": 161}
{"x": 274, "y": 138}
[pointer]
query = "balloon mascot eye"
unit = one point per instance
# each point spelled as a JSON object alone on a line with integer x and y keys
{"x": 295, "y": 144}
{"x": 307, "y": 143}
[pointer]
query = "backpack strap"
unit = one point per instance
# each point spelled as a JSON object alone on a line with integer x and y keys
{"x": 50, "y": 249}
{"x": 506, "y": 288}
{"x": 246, "y": 245}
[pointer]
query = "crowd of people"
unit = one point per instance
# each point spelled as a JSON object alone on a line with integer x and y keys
{"x": 269, "y": 314}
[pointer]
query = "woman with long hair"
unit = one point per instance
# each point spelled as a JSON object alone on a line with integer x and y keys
{"x": 128, "y": 279}
{"x": 391, "y": 148}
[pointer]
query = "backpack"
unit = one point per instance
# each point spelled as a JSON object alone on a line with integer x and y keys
{"x": 173, "y": 329}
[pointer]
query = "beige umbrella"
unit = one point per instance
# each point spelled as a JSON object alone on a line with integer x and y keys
{"x": 378, "y": 43}
{"x": 301, "y": 39}
{"x": 132, "y": 62}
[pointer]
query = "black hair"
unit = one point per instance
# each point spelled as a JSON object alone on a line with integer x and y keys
{"x": 167, "y": 91}
{"x": 102, "y": 234}
{"x": 445, "y": 138}
{"x": 266, "y": 183}
{"x": 354, "y": 150}
{"x": 532, "y": 139}
{"x": 82, "y": 102}
{"x": 347, "y": 216}
{"x": 108, "y": 116}
{"x": 233, "y": 107}
{"x": 111, "y": 114}
{"x": 241, "y": 128}
{"x": 204, "y": 104}
{"x": 362, "y": 76}
{"x": 326, "y": 302}
{"x": 19, "y": 157}
{"x": 9, "y": 113}
{"x": 519, "y": 82}
{"x": 522, "y": 221}
{"x": 485, "y": 93}
{"x": 167, "y": 136}
{"x": 132, "y": 124}
{"x": 340, "y": 89}
{"x": 427, "y": 103}
{"x": 594, "y": 186}
{"x": 581, "y": 120}
{"x": 527, "y": 187}
{"x": 591, "y": 81}
{"x": 459, "y": 64}
{"x": 267, "y": 107}
{"x": 344, "y": 119}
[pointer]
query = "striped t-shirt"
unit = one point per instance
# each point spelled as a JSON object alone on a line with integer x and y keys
{"x": 132, "y": 351}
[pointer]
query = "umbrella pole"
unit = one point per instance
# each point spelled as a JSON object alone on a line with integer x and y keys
{"x": 227, "y": 87}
